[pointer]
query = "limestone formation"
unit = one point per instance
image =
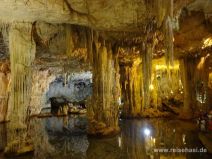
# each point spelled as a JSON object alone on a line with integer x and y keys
{"x": 131, "y": 84}
{"x": 103, "y": 110}
{"x": 22, "y": 52}
{"x": 145, "y": 58}
{"x": 4, "y": 91}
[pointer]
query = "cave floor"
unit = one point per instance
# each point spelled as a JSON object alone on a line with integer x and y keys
{"x": 65, "y": 137}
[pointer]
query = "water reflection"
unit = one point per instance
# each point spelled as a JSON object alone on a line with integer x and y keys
{"x": 66, "y": 137}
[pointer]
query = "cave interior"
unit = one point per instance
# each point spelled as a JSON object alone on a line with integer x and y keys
{"x": 108, "y": 67}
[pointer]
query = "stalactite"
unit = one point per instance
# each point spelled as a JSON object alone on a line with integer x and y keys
{"x": 89, "y": 33}
{"x": 169, "y": 54}
{"x": 169, "y": 36}
{"x": 69, "y": 41}
{"x": 147, "y": 73}
{"x": 163, "y": 11}
{"x": 22, "y": 54}
{"x": 103, "y": 109}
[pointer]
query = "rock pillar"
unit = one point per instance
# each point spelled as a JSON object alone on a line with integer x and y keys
{"x": 103, "y": 110}
{"x": 22, "y": 53}
{"x": 187, "y": 68}
{"x": 131, "y": 84}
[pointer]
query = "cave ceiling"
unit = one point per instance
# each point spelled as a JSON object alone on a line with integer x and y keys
{"x": 120, "y": 21}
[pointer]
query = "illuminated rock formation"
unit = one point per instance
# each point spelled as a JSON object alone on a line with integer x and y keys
{"x": 131, "y": 83}
{"x": 22, "y": 52}
{"x": 103, "y": 109}
{"x": 4, "y": 91}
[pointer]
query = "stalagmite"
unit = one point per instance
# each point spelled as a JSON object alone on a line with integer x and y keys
{"x": 131, "y": 81}
{"x": 103, "y": 109}
{"x": 22, "y": 54}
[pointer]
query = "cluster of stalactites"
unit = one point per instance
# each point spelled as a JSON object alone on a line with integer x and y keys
{"x": 162, "y": 10}
{"x": 79, "y": 42}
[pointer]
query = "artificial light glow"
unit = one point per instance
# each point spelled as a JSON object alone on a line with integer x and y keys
{"x": 151, "y": 87}
{"x": 164, "y": 67}
{"x": 147, "y": 131}
{"x": 154, "y": 141}
{"x": 119, "y": 141}
{"x": 202, "y": 61}
{"x": 207, "y": 42}
{"x": 184, "y": 140}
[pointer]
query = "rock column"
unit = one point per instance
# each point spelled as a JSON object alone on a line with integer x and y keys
{"x": 187, "y": 68}
{"x": 22, "y": 53}
{"x": 131, "y": 82}
{"x": 103, "y": 109}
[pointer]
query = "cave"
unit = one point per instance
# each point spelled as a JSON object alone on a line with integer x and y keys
{"x": 100, "y": 79}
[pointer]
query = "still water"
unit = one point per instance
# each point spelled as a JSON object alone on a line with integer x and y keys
{"x": 65, "y": 138}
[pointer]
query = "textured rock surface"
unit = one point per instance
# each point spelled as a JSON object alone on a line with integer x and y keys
{"x": 77, "y": 87}
{"x": 103, "y": 108}
{"x": 40, "y": 85}
{"x": 131, "y": 81}
{"x": 50, "y": 83}
{"x": 4, "y": 91}
{"x": 98, "y": 14}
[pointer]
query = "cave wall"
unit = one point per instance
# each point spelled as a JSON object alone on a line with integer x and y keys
{"x": 40, "y": 85}
{"x": 53, "y": 82}
{"x": 74, "y": 88}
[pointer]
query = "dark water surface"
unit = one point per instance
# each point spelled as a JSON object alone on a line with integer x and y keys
{"x": 65, "y": 138}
